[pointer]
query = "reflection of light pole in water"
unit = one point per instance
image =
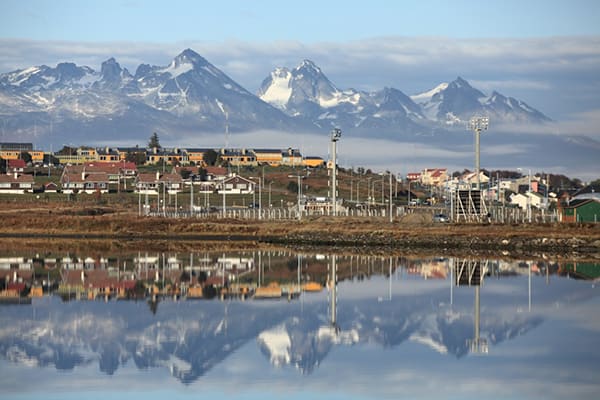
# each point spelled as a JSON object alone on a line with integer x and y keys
{"x": 529, "y": 284}
{"x": 477, "y": 317}
{"x": 333, "y": 285}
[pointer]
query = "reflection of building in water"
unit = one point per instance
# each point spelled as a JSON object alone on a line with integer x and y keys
{"x": 236, "y": 263}
{"x": 15, "y": 263}
{"x": 436, "y": 268}
{"x": 471, "y": 273}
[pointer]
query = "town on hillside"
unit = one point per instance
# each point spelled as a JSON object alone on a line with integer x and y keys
{"x": 286, "y": 184}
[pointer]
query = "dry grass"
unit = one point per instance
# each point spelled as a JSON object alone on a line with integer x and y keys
{"x": 55, "y": 219}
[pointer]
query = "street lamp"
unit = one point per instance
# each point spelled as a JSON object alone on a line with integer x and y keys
{"x": 528, "y": 193}
{"x": 259, "y": 194}
{"x": 478, "y": 124}
{"x": 335, "y": 136}
{"x": 270, "y": 204}
{"x": 299, "y": 192}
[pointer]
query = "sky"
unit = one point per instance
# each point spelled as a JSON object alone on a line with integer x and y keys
{"x": 532, "y": 50}
{"x": 545, "y": 53}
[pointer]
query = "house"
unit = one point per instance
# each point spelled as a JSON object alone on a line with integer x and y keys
{"x": 81, "y": 155}
{"x": 152, "y": 183}
{"x": 196, "y": 155}
{"x": 15, "y": 165}
{"x": 16, "y": 183}
{"x": 107, "y": 154}
{"x": 172, "y": 156}
{"x": 313, "y": 162}
{"x": 10, "y": 154}
{"x": 37, "y": 156}
{"x": 536, "y": 200}
{"x": 118, "y": 172}
{"x": 584, "y": 210}
{"x": 588, "y": 192}
{"x": 413, "y": 176}
{"x": 84, "y": 183}
{"x": 236, "y": 185}
{"x": 291, "y": 158}
{"x": 239, "y": 157}
{"x": 272, "y": 157}
{"x": 50, "y": 187}
{"x": 470, "y": 179}
{"x": 434, "y": 176}
{"x": 216, "y": 173}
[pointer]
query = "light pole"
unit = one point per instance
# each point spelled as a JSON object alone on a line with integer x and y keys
{"x": 270, "y": 204}
{"x": 391, "y": 217}
{"x": 299, "y": 177}
{"x": 259, "y": 194}
{"x": 529, "y": 196}
{"x": 335, "y": 136}
{"x": 478, "y": 124}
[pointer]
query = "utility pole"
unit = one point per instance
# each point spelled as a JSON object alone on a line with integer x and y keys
{"x": 478, "y": 124}
{"x": 335, "y": 136}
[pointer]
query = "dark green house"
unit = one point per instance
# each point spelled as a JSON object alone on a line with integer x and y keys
{"x": 587, "y": 210}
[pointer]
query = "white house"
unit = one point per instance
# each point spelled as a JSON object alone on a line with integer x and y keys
{"x": 536, "y": 199}
{"x": 236, "y": 185}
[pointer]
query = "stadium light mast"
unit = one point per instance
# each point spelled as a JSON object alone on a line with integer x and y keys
{"x": 335, "y": 136}
{"x": 478, "y": 124}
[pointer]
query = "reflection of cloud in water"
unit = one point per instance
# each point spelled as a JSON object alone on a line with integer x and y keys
{"x": 190, "y": 338}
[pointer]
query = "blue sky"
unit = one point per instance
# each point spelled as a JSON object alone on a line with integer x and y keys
{"x": 304, "y": 21}
{"x": 545, "y": 53}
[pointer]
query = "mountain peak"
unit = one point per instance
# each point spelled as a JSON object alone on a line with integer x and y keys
{"x": 460, "y": 83}
{"x": 189, "y": 56}
{"x": 309, "y": 66}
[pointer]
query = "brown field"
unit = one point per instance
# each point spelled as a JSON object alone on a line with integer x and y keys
{"x": 118, "y": 225}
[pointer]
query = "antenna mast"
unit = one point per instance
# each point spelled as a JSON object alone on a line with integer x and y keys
{"x": 226, "y": 129}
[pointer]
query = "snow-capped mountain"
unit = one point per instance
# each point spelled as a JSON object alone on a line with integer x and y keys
{"x": 455, "y": 102}
{"x": 305, "y": 92}
{"x": 189, "y": 94}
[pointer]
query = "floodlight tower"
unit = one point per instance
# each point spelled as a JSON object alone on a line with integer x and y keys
{"x": 335, "y": 136}
{"x": 478, "y": 124}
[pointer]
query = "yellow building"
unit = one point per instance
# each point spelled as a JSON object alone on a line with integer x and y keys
{"x": 272, "y": 157}
{"x": 313, "y": 162}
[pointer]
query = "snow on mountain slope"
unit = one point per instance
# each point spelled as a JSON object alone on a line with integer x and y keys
{"x": 277, "y": 88}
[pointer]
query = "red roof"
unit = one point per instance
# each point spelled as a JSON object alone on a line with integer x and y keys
{"x": 18, "y": 163}
{"x": 19, "y": 287}
{"x": 216, "y": 171}
{"x": 18, "y": 179}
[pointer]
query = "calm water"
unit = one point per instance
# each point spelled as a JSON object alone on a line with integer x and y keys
{"x": 402, "y": 329}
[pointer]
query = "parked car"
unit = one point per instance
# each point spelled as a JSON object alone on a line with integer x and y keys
{"x": 440, "y": 218}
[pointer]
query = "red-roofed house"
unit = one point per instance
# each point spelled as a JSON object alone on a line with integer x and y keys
{"x": 17, "y": 165}
{"x": 16, "y": 184}
{"x": 434, "y": 176}
{"x": 84, "y": 183}
{"x": 151, "y": 183}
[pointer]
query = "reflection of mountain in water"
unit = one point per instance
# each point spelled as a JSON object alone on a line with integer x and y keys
{"x": 189, "y": 338}
{"x": 305, "y": 343}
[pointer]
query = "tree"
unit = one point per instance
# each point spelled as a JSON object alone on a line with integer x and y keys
{"x": 137, "y": 157}
{"x": 67, "y": 151}
{"x": 25, "y": 156}
{"x": 185, "y": 173}
{"x": 292, "y": 187}
{"x": 211, "y": 157}
{"x": 3, "y": 165}
{"x": 154, "y": 142}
